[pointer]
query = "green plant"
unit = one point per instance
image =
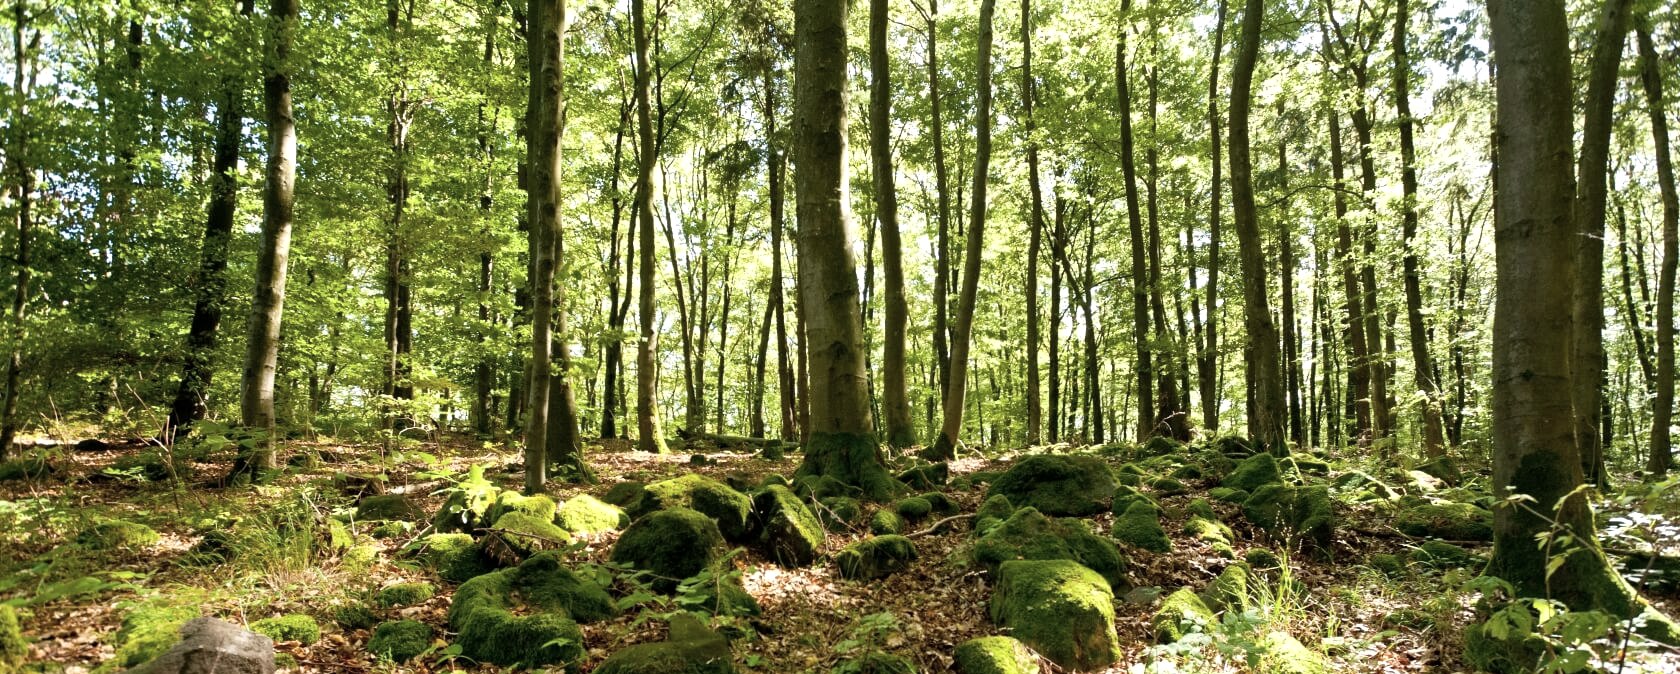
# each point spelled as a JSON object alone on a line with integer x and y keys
{"x": 865, "y": 651}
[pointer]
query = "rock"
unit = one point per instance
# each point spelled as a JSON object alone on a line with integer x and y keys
{"x": 585, "y": 514}
{"x": 626, "y": 495}
{"x": 1142, "y": 596}
{"x": 290, "y": 627}
{"x": 1390, "y": 565}
{"x": 1028, "y": 534}
{"x": 1125, "y": 496}
{"x": 926, "y": 476}
{"x": 1307, "y": 512}
{"x": 690, "y": 649}
{"x": 1261, "y": 558}
{"x": 400, "y": 640}
{"x": 1281, "y": 653}
{"x": 354, "y": 617}
{"x": 1302, "y": 464}
{"x": 525, "y": 535}
{"x": 995, "y": 655}
{"x": 1167, "y": 486}
{"x": 117, "y": 535}
{"x": 942, "y": 504}
{"x": 670, "y": 544}
{"x": 993, "y": 512}
{"x": 819, "y": 487}
{"x": 1201, "y": 508}
{"x": 1227, "y": 495}
{"x": 1213, "y": 532}
{"x": 517, "y": 615}
{"x": 731, "y": 509}
{"x": 885, "y": 522}
{"x": 1058, "y": 485}
{"x": 1182, "y": 613}
{"x": 791, "y": 533}
{"x": 913, "y": 508}
{"x": 454, "y": 557}
{"x": 1228, "y": 591}
{"x": 1140, "y": 527}
{"x": 1444, "y": 555}
{"x": 1253, "y": 472}
{"x": 404, "y": 594}
{"x": 876, "y": 557}
{"x": 147, "y": 631}
{"x": 469, "y": 504}
{"x": 772, "y": 451}
{"x": 13, "y": 649}
{"x": 1442, "y": 468}
{"x": 838, "y": 512}
{"x": 1160, "y": 445}
{"x": 388, "y": 507}
{"x": 391, "y": 529}
{"x": 1061, "y": 609}
{"x": 211, "y": 646}
{"x": 537, "y": 506}
{"x": 1234, "y": 446}
{"x": 1451, "y": 521}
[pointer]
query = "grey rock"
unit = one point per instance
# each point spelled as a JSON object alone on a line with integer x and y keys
{"x": 212, "y": 646}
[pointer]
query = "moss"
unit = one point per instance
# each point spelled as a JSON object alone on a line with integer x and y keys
{"x": 354, "y": 616}
{"x": 772, "y": 451}
{"x": 690, "y": 649}
{"x": 1201, "y": 508}
{"x": 984, "y": 476}
{"x": 877, "y": 662}
{"x": 147, "y": 631}
{"x": 1485, "y": 652}
{"x": 1390, "y": 565}
{"x": 585, "y": 514}
{"x": 1028, "y": 534}
{"x": 404, "y": 594}
{"x": 1234, "y": 446}
{"x": 995, "y": 655}
{"x": 1059, "y": 608}
{"x": 516, "y": 615}
{"x": 537, "y": 506}
{"x": 1252, "y": 472}
{"x": 1167, "y": 486}
{"x": 1267, "y": 505}
{"x": 852, "y": 459}
{"x": 1444, "y": 555}
{"x": 1451, "y": 521}
{"x": 401, "y": 640}
{"x": 1140, "y": 527}
{"x": 116, "y": 535}
{"x": 1306, "y": 465}
{"x": 290, "y": 627}
{"x": 791, "y": 533}
{"x": 942, "y": 504}
{"x": 1214, "y": 465}
{"x": 926, "y": 476}
{"x": 1160, "y": 445}
{"x": 359, "y": 556}
{"x": 876, "y": 557}
{"x": 723, "y": 594}
{"x": 527, "y": 535}
{"x": 821, "y": 487}
{"x": 1314, "y": 517}
{"x": 839, "y": 511}
{"x": 670, "y": 545}
{"x": 13, "y": 649}
{"x": 912, "y": 508}
{"x": 1213, "y": 532}
{"x": 699, "y": 460}
{"x": 1227, "y": 495}
{"x": 1229, "y": 590}
{"x": 455, "y": 557}
{"x": 388, "y": 507}
{"x": 731, "y": 509}
{"x": 775, "y": 479}
{"x": 1442, "y": 468}
{"x": 626, "y": 495}
{"x": 886, "y": 521}
{"x": 1281, "y": 653}
{"x": 1262, "y": 558}
{"x": 993, "y": 512}
{"x": 1181, "y": 613}
{"x": 1058, "y": 485}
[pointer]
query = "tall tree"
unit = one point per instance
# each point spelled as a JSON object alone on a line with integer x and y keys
{"x": 262, "y": 350}
{"x": 1423, "y": 364}
{"x": 1035, "y": 226}
{"x": 895, "y": 399}
{"x": 1662, "y": 414}
{"x": 25, "y": 75}
{"x": 942, "y": 243}
{"x": 1207, "y": 356}
{"x": 399, "y": 291}
{"x": 650, "y": 436}
{"x": 842, "y": 442}
{"x": 1142, "y": 368}
{"x": 945, "y": 446}
{"x": 1267, "y": 424}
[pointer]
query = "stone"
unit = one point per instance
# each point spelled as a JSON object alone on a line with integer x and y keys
{"x": 875, "y": 557}
{"x": 1281, "y": 653}
{"x": 1451, "y": 521}
{"x": 13, "y": 649}
{"x": 731, "y": 509}
{"x": 212, "y": 646}
{"x": 527, "y": 614}
{"x": 993, "y": 512}
{"x": 454, "y": 557}
{"x": 585, "y": 514}
{"x": 913, "y": 508}
{"x": 1253, "y": 472}
{"x": 837, "y": 512}
{"x": 526, "y": 534}
{"x": 886, "y": 521}
{"x": 670, "y": 544}
{"x": 1140, "y": 527}
{"x": 927, "y": 475}
{"x": 388, "y": 507}
{"x": 290, "y": 627}
{"x": 1181, "y": 613}
{"x": 791, "y": 534}
{"x": 400, "y": 640}
{"x": 995, "y": 655}
{"x": 691, "y": 648}
{"x": 1028, "y": 534}
{"x": 1229, "y": 590}
{"x": 403, "y": 595}
{"x": 1059, "y": 608}
{"x": 1057, "y": 484}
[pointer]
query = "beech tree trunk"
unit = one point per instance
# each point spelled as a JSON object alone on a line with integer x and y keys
{"x": 18, "y": 155}
{"x": 1142, "y": 372}
{"x": 895, "y": 400}
{"x": 1207, "y": 357}
{"x": 542, "y": 172}
{"x": 650, "y": 435}
{"x": 1266, "y": 425}
{"x": 1423, "y": 364}
{"x": 1661, "y": 459}
{"x": 1035, "y": 227}
{"x": 942, "y": 252}
{"x": 399, "y": 332}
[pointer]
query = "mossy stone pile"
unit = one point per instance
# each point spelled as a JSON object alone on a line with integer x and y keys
{"x": 1028, "y": 534}
{"x": 875, "y": 557}
{"x": 671, "y": 545}
{"x": 731, "y": 509}
{"x": 1058, "y": 485}
{"x": 527, "y": 614}
{"x": 691, "y": 648}
{"x": 1061, "y": 609}
{"x": 792, "y": 535}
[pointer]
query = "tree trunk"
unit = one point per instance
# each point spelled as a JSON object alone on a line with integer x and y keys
{"x": 262, "y": 352}
{"x": 650, "y": 437}
{"x": 616, "y": 312}
{"x": 945, "y": 447}
{"x": 1662, "y": 408}
{"x": 1143, "y": 373}
{"x": 1207, "y": 359}
{"x": 1058, "y": 251}
{"x": 942, "y": 252}
{"x": 17, "y": 158}
{"x": 1286, "y": 297}
{"x": 399, "y": 334}
{"x": 895, "y": 399}
{"x": 1423, "y": 364}
{"x": 1359, "y": 375}
{"x": 1170, "y": 417}
{"x": 1266, "y": 426}
{"x": 1035, "y": 228}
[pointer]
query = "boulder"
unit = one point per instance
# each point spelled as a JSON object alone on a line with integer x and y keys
{"x": 402, "y": 595}
{"x": 626, "y": 495}
{"x": 1140, "y": 527}
{"x": 388, "y": 507}
{"x": 149, "y": 630}
{"x": 839, "y": 511}
{"x": 537, "y": 506}
{"x": 1160, "y": 445}
{"x": 1229, "y": 590}
{"x": 1307, "y": 512}
{"x": 993, "y": 512}
{"x": 1061, "y": 609}
{"x": 1234, "y": 446}
{"x": 731, "y": 509}
{"x": 926, "y": 476}
{"x": 1451, "y": 521}
{"x": 913, "y": 508}
{"x": 1253, "y": 472}
{"x": 1213, "y": 532}
{"x": 454, "y": 557}
{"x": 876, "y": 557}
{"x": 527, "y": 614}
{"x": 1058, "y": 485}
{"x": 525, "y": 535}
{"x": 1028, "y": 534}
{"x": 212, "y": 646}
{"x": 791, "y": 533}
{"x": 469, "y": 504}
{"x": 1181, "y": 613}
{"x": 995, "y": 655}
{"x": 690, "y": 649}
{"x": 585, "y": 514}
{"x": 886, "y": 521}
{"x": 670, "y": 544}
{"x": 400, "y": 640}
{"x": 1281, "y": 653}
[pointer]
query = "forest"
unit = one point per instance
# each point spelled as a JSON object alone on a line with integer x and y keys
{"x": 834, "y": 337}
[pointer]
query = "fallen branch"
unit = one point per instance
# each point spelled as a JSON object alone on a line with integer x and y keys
{"x": 940, "y": 523}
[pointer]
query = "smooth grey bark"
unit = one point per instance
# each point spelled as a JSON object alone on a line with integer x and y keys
{"x": 1661, "y": 459}
{"x": 1423, "y": 363}
{"x": 895, "y": 400}
{"x": 650, "y": 435}
{"x": 1266, "y": 426}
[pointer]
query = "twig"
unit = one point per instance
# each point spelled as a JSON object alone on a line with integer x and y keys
{"x": 940, "y": 523}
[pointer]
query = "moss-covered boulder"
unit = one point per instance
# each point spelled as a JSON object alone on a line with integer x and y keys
{"x": 670, "y": 545}
{"x": 116, "y": 535}
{"x": 926, "y": 476}
{"x": 1307, "y": 513}
{"x": 527, "y": 614}
{"x": 525, "y": 535}
{"x": 791, "y": 534}
{"x": 1181, "y": 613}
{"x": 13, "y": 649}
{"x": 1059, "y": 485}
{"x": 820, "y": 487}
{"x": 1303, "y": 464}
{"x": 1450, "y": 521}
{"x": 913, "y": 508}
{"x": 454, "y": 557}
{"x": 1160, "y": 445}
{"x": 942, "y": 504}
{"x": 148, "y": 631}
{"x": 469, "y": 504}
{"x": 1167, "y": 486}
{"x": 626, "y": 495}
{"x": 995, "y": 655}
{"x": 388, "y": 507}
{"x": 690, "y": 649}
{"x": 875, "y": 557}
{"x": 1029, "y": 534}
{"x": 354, "y": 616}
{"x": 1140, "y": 527}
{"x": 886, "y": 521}
{"x": 1387, "y": 564}
{"x": 585, "y": 514}
{"x": 1253, "y": 472}
{"x": 839, "y": 512}
{"x": 1229, "y": 590}
{"x": 1442, "y": 468}
{"x": 1281, "y": 653}
{"x": 400, "y": 640}
{"x": 1234, "y": 446}
{"x": 400, "y": 595}
{"x": 1061, "y": 609}
{"x": 1227, "y": 495}
{"x": 1444, "y": 555}
{"x": 1213, "y": 532}
{"x": 297, "y": 627}
{"x": 1125, "y": 496}
{"x": 1262, "y": 558}
{"x": 732, "y": 510}
{"x": 993, "y": 512}
{"x": 537, "y": 506}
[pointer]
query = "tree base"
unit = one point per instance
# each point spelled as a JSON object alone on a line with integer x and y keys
{"x": 853, "y": 459}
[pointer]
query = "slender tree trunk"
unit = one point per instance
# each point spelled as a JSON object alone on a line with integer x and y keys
{"x": 1634, "y": 320}
{"x": 1058, "y": 251}
{"x": 562, "y": 444}
{"x": 1286, "y": 297}
{"x": 614, "y": 350}
{"x": 1359, "y": 376}
{"x": 399, "y": 334}
{"x": 1423, "y": 364}
{"x": 942, "y": 254}
{"x": 1035, "y": 227}
{"x": 895, "y": 399}
{"x": 262, "y": 351}
{"x": 1169, "y": 417}
{"x": 1266, "y": 426}
{"x": 946, "y": 445}
{"x": 18, "y": 156}
{"x": 542, "y": 156}
{"x": 1662, "y": 408}
{"x": 650, "y": 436}
{"x": 1142, "y": 368}
{"x": 1207, "y": 359}
{"x": 484, "y": 371}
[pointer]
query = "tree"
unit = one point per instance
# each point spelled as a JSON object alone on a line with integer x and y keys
{"x": 25, "y": 73}
{"x": 262, "y": 350}
{"x": 1662, "y": 414}
{"x": 1035, "y": 226}
{"x": 842, "y": 442}
{"x": 1266, "y": 425}
{"x": 1207, "y": 356}
{"x": 1143, "y": 369}
{"x": 1423, "y": 365}
{"x": 895, "y": 399}
{"x": 650, "y": 436}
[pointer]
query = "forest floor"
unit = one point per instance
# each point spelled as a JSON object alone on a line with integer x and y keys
{"x": 73, "y": 600}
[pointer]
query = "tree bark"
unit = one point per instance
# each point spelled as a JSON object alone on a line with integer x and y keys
{"x": 942, "y": 252}
{"x": 1207, "y": 357}
{"x": 895, "y": 400}
{"x": 1266, "y": 426}
{"x": 1423, "y": 364}
{"x": 1661, "y": 459}
{"x": 399, "y": 333}
{"x": 18, "y": 156}
{"x": 1035, "y": 227}
{"x": 650, "y": 436}
{"x": 1142, "y": 370}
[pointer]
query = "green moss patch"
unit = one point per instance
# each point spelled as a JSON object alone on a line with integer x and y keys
{"x": 791, "y": 533}
{"x": 148, "y": 631}
{"x": 13, "y": 649}
{"x": 527, "y": 614}
{"x": 116, "y": 535}
{"x": 1451, "y": 521}
{"x": 1028, "y": 534}
{"x": 585, "y": 514}
{"x": 1140, "y": 527}
{"x": 995, "y": 655}
{"x": 691, "y": 648}
{"x": 993, "y": 512}
{"x": 926, "y": 476}
{"x": 290, "y": 627}
{"x": 1281, "y": 653}
{"x": 1181, "y": 613}
{"x": 404, "y": 594}
{"x": 1253, "y": 472}
{"x": 1061, "y": 609}
{"x": 839, "y": 511}
{"x": 670, "y": 545}
{"x": 731, "y": 509}
{"x": 1058, "y": 485}
{"x": 400, "y": 640}
{"x": 526, "y": 534}
{"x": 388, "y": 507}
{"x": 876, "y": 557}
{"x": 454, "y": 557}
{"x": 886, "y": 521}
{"x": 1444, "y": 555}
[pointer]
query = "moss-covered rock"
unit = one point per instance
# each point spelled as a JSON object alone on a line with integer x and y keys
{"x": 690, "y": 649}
{"x": 926, "y": 476}
{"x": 1227, "y": 495}
{"x": 995, "y": 655}
{"x": 885, "y": 521}
{"x": 400, "y": 640}
{"x": 626, "y": 495}
{"x": 1214, "y": 465}
{"x": 526, "y": 534}
{"x": 1058, "y": 485}
{"x": 1061, "y": 609}
{"x": 1307, "y": 513}
{"x": 877, "y": 662}
{"x": 391, "y": 529}
{"x": 1028, "y": 534}
{"x": 537, "y": 506}
{"x": 876, "y": 557}
{"x": 13, "y": 649}
{"x": 454, "y": 557}
{"x": 354, "y": 616}
{"x": 1302, "y": 464}
{"x": 148, "y": 631}
{"x": 388, "y": 507}
{"x": 1253, "y": 472}
{"x": 791, "y": 534}
{"x": 1262, "y": 558}
{"x": 912, "y": 508}
{"x": 1442, "y": 468}
{"x": 1389, "y": 565}
{"x": 1213, "y": 532}
{"x": 1267, "y": 506}
{"x": 116, "y": 535}
{"x": 1201, "y": 508}
{"x": 1451, "y": 521}
{"x": 585, "y": 514}
{"x": 1281, "y": 653}
{"x": 527, "y": 614}
{"x": 1229, "y": 590}
{"x": 1167, "y": 486}
{"x": 1160, "y": 445}
{"x": 1181, "y": 613}
{"x": 773, "y": 451}
{"x": 1140, "y": 527}
{"x": 732, "y": 510}
{"x": 404, "y": 594}
{"x": 1444, "y": 555}
{"x": 1234, "y": 446}
{"x": 297, "y": 627}
{"x": 942, "y": 504}
{"x": 671, "y": 545}
{"x": 993, "y": 512}
{"x": 838, "y": 512}
{"x": 1125, "y": 496}
{"x": 819, "y": 487}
